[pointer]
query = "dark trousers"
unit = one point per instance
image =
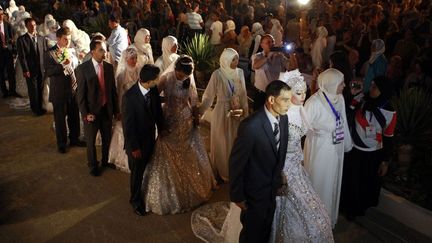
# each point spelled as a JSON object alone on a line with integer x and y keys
{"x": 7, "y": 72}
{"x": 35, "y": 92}
{"x": 257, "y": 222}
{"x": 102, "y": 123}
{"x": 259, "y": 99}
{"x": 69, "y": 110}
{"x": 137, "y": 168}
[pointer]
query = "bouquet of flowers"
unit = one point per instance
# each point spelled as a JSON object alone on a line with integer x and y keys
{"x": 61, "y": 55}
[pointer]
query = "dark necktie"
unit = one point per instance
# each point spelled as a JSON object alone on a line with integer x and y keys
{"x": 35, "y": 45}
{"x": 276, "y": 134}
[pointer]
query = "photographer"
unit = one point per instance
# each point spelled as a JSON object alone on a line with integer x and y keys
{"x": 267, "y": 66}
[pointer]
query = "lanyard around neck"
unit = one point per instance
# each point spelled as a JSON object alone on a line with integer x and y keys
{"x": 332, "y": 108}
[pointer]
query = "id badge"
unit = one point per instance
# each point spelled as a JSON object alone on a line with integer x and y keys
{"x": 338, "y": 134}
{"x": 370, "y": 132}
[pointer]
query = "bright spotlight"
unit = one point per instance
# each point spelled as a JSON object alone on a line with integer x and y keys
{"x": 303, "y": 2}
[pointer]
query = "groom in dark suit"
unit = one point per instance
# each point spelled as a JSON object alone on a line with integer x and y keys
{"x": 30, "y": 48}
{"x": 97, "y": 100}
{"x": 59, "y": 68}
{"x": 256, "y": 162}
{"x": 142, "y": 110}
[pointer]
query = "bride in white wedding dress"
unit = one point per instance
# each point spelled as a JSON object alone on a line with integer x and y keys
{"x": 300, "y": 216}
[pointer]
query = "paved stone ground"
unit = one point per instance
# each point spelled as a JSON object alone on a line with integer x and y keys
{"x": 50, "y": 197}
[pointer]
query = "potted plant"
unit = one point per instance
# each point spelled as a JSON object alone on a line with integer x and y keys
{"x": 201, "y": 51}
{"x": 413, "y": 127}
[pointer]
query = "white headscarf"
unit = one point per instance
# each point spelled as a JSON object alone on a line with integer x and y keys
{"x": 230, "y": 26}
{"x": 328, "y": 82}
{"x": 225, "y": 61}
{"x": 12, "y": 8}
{"x": 143, "y": 48}
{"x": 123, "y": 65}
{"x": 379, "y": 47}
{"x": 79, "y": 38}
{"x": 276, "y": 32}
{"x": 167, "y": 56}
{"x": 319, "y": 46}
{"x": 45, "y": 29}
{"x": 257, "y": 29}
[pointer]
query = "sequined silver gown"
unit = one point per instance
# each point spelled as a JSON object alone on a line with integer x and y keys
{"x": 300, "y": 216}
{"x": 179, "y": 177}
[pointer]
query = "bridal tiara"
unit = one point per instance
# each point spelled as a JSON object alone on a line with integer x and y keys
{"x": 294, "y": 79}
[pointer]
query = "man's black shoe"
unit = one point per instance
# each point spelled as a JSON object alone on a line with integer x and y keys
{"x": 94, "y": 172}
{"x": 78, "y": 143}
{"x": 139, "y": 211}
{"x": 62, "y": 150}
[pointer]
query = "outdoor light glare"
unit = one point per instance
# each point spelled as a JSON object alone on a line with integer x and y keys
{"x": 303, "y": 2}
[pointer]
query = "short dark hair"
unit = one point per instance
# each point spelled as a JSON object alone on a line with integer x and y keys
{"x": 63, "y": 31}
{"x": 98, "y": 36}
{"x": 149, "y": 72}
{"x": 184, "y": 64}
{"x": 28, "y": 20}
{"x": 274, "y": 88}
{"x": 267, "y": 36}
{"x": 94, "y": 44}
{"x": 114, "y": 18}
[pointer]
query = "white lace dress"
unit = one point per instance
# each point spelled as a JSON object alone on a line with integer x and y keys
{"x": 300, "y": 216}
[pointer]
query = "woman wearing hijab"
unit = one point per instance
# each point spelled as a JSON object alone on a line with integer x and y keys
{"x": 43, "y": 29}
{"x": 367, "y": 163}
{"x": 277, "y": 31}
{"x": 127, "y": 74}
{"x": 80, "y": 39}
{"x": 319, "y": 47}
{"x": 142, "y": 44}
{"x": 377, "y": 64}
{"x": 245, "y": 40}
{"x": 328, "y": 139}
{"x": 227, "y": 84}
{"x": 257, "y": 33}
{"x": 169, "y": 53}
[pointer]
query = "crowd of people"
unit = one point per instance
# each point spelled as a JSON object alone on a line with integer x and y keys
{"x": 348, "y": 57}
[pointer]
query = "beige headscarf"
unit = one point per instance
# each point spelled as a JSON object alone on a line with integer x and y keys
{"x": 225, "y": 61}
{"x": 143, "y": 48}
{"x": 230, "y": 26}
{"x": 379, "y": 47}
{"x": 328, "y": 82}
{"x": 167, "y": 56}
{"x": 319, "y": 46}
{"x": 257, "y": 29}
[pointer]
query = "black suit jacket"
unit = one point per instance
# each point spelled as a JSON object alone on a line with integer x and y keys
{"x": 9, "y": 33}
{"x": 255, "y": 163}
{"x": 28, "y": 55}
{"x": 88, "y": 89}
{"x": 60, "y": 84}
{"x": 140, "y": 117}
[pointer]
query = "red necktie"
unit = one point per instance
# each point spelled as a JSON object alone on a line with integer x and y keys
{"x": 102, "y": 84}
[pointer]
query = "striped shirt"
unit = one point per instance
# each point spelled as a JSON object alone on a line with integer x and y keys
{"x": 194, "y": 20}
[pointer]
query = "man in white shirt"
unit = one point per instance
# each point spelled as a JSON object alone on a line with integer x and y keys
{"x": 267, "y": 65}
{"x": 216, "y": 30}
{"x": 118, "y": 40}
